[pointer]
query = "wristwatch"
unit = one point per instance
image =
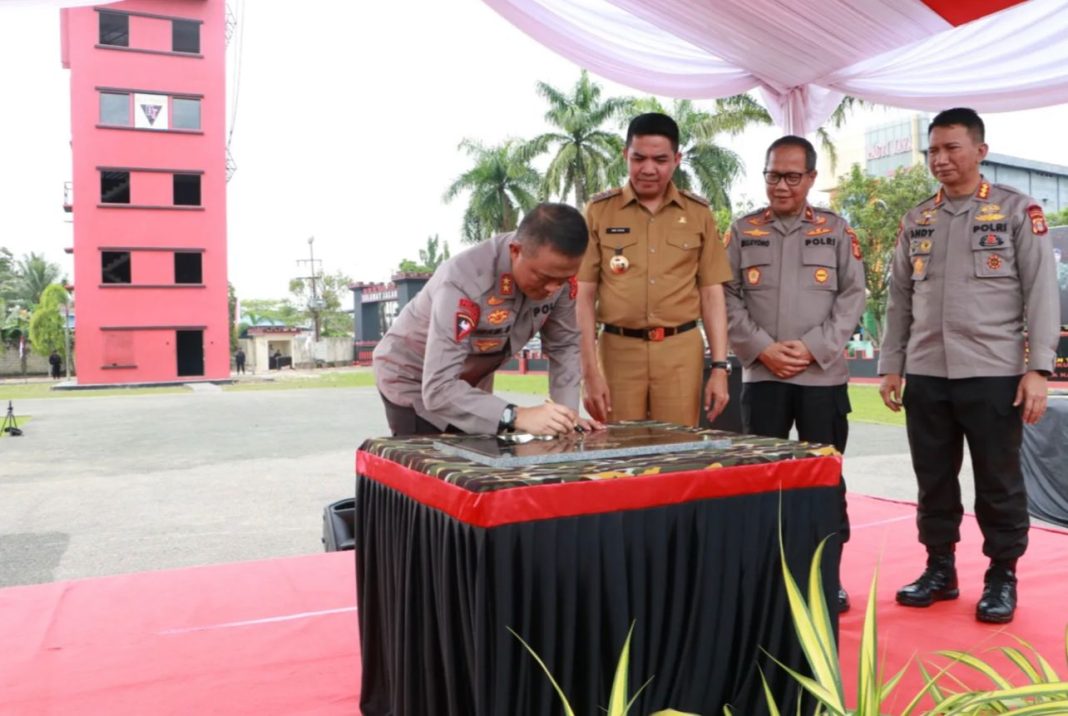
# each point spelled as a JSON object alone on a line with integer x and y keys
{"x": 507, "y": 424}
{"x": 725, "y": 365}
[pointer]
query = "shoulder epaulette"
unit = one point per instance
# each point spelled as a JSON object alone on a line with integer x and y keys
{"x": 696, "y": 197}
{"x": 607, "y": 194}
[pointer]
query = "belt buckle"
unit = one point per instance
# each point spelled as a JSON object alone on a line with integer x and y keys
{"x": 655, "y": 334}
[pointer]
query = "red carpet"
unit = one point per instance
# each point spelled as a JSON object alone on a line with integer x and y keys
{"x": 279, "y": 637}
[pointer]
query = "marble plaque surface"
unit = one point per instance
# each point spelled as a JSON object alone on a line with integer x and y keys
{"x": 616, "y": 441}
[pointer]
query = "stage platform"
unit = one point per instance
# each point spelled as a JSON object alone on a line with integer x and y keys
{"x": 279, "y": 636}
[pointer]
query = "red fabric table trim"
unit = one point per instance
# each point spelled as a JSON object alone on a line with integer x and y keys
{"x": 541, "y": 502}
{"x": 959, "y": 13}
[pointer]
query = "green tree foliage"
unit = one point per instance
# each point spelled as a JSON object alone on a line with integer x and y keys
{"x": 1058, "y": 218}
{"x": 502, "y": 186}
{"x": 331, "y": 290}
{"x": 33, "y": 274}
{"x": 435, "y": 253}
{"x": 734, "y": 114}
{"x": 231, "y": 303}
{"x": 258, "y": 311}
{"x": 874, "y": 207}
{"x": 46, "y": 322}
{"x": 586, "y": 157}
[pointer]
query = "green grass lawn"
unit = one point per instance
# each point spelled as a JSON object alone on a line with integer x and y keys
{"x": 346, "y": 379}
{"x": 868, "y": 406}
{"x": 25, "y": 391}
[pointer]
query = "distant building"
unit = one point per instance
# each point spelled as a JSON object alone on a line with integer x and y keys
{"x": 148, "y": 124}
{"x": 882, "y": 149}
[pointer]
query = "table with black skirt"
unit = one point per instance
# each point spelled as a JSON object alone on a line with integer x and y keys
{"x": 684, "y": 546}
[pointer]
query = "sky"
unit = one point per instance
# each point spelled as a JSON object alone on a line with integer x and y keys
{"x": 347, "y": 121}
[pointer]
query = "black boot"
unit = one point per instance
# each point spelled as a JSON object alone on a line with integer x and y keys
{"x": 937, "y": 583}
{"x": 998, "y": 604}
{"x": 843, "y": 600}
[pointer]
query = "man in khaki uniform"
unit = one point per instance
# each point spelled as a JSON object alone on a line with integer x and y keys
{"x": 654, "y": 265}
{"x": 434, "y": 367}
{"x": 973, "y": 268}
{"x": 794, "y": 299}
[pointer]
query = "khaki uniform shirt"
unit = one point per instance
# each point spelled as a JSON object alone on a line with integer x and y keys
{"x": 801, "y": 282}
{"x": 965, "y": 283}
{"x": 440, "y": 354}
{"x": 670, "y": 253}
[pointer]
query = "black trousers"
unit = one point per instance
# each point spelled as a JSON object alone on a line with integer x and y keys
{"x": 940, "y": 413}
{"x": 405, "y": 421}
{"x": 771, "y": 408}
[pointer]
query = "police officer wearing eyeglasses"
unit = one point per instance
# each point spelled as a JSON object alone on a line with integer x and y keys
{"x": 795, "y": 296}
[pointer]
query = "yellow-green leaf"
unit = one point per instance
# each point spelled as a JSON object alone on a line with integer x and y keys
{"x": 563, "y": 698}
{"x": 617, "y": 699}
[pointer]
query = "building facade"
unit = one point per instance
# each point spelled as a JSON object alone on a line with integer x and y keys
{"x": 882, "y": 149}
{"x": 148, "y": 152}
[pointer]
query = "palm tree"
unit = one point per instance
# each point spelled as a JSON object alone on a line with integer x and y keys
{"x": 503, "y": 185}
{"x": 33, "y": 274}
{"x": 706, "y": 167}
{"x": 742, "y": 110}
{"x": 586, "y": 157}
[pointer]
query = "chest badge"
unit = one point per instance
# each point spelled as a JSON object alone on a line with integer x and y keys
{"x": 927, "y": 217}
{"x": 752, "y": 276}
{"x": 991, "y": 240}
{"x": 821, "y": 275}
{"x": 499, "y": 316}
{"x": 619, "y": 263}
{"x": 818, "y": 232}
{"x": 756, "y": 232}
{"x": 483, "y": 345}
{"x": 495, "y": 300}
{"x": 994, "y": 262}
{"x": 919, "y": 264}
{"x": 682, "y": 220}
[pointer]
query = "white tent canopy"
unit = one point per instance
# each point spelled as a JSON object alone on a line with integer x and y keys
{"x": 805, "y": 55}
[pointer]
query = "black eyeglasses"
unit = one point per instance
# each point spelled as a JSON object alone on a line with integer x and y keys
{"x": 792, "y": 178}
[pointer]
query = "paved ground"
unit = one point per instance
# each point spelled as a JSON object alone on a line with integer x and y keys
{"x": 105, "y": 485}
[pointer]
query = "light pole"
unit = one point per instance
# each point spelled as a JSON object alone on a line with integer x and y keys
{"x": 314, "y": 291}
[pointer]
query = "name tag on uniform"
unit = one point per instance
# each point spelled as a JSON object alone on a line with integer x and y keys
{"x": 618, "y": 230}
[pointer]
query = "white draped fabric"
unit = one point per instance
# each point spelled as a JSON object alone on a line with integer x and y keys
{"x": 804, "y": 55}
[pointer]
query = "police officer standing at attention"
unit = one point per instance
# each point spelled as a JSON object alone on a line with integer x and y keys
{"x": 654, "y": 265}
{"x": 794, "y": 298}
{"x": 434, "y": 367}
{"x": 973, "y": 266}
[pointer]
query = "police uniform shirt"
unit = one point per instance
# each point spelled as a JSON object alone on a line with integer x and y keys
{"x": 964, "y": 284}
{"x": 440, "y": 354}
{"x": 668, "y": 254}
{"x": 799, "y": 280}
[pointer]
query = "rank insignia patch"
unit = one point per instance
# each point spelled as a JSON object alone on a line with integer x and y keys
{"x": 727, "y": 238}
{"x": 821, "y": 275}
{"x": 809, "y": 214}
{"x": 467, "y": 317}
{"x": 499, "y": 316}
{"x": 984, "y": 190}
{"x": 1038, "y": 220}
{"x": 507, "y": 287}
{"x": 993, "y": 262}
{"x": 752, "y": 276}
{"x": 572, "y": 287}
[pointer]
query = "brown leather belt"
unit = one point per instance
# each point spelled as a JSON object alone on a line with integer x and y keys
{"x": 650, "y": 334}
